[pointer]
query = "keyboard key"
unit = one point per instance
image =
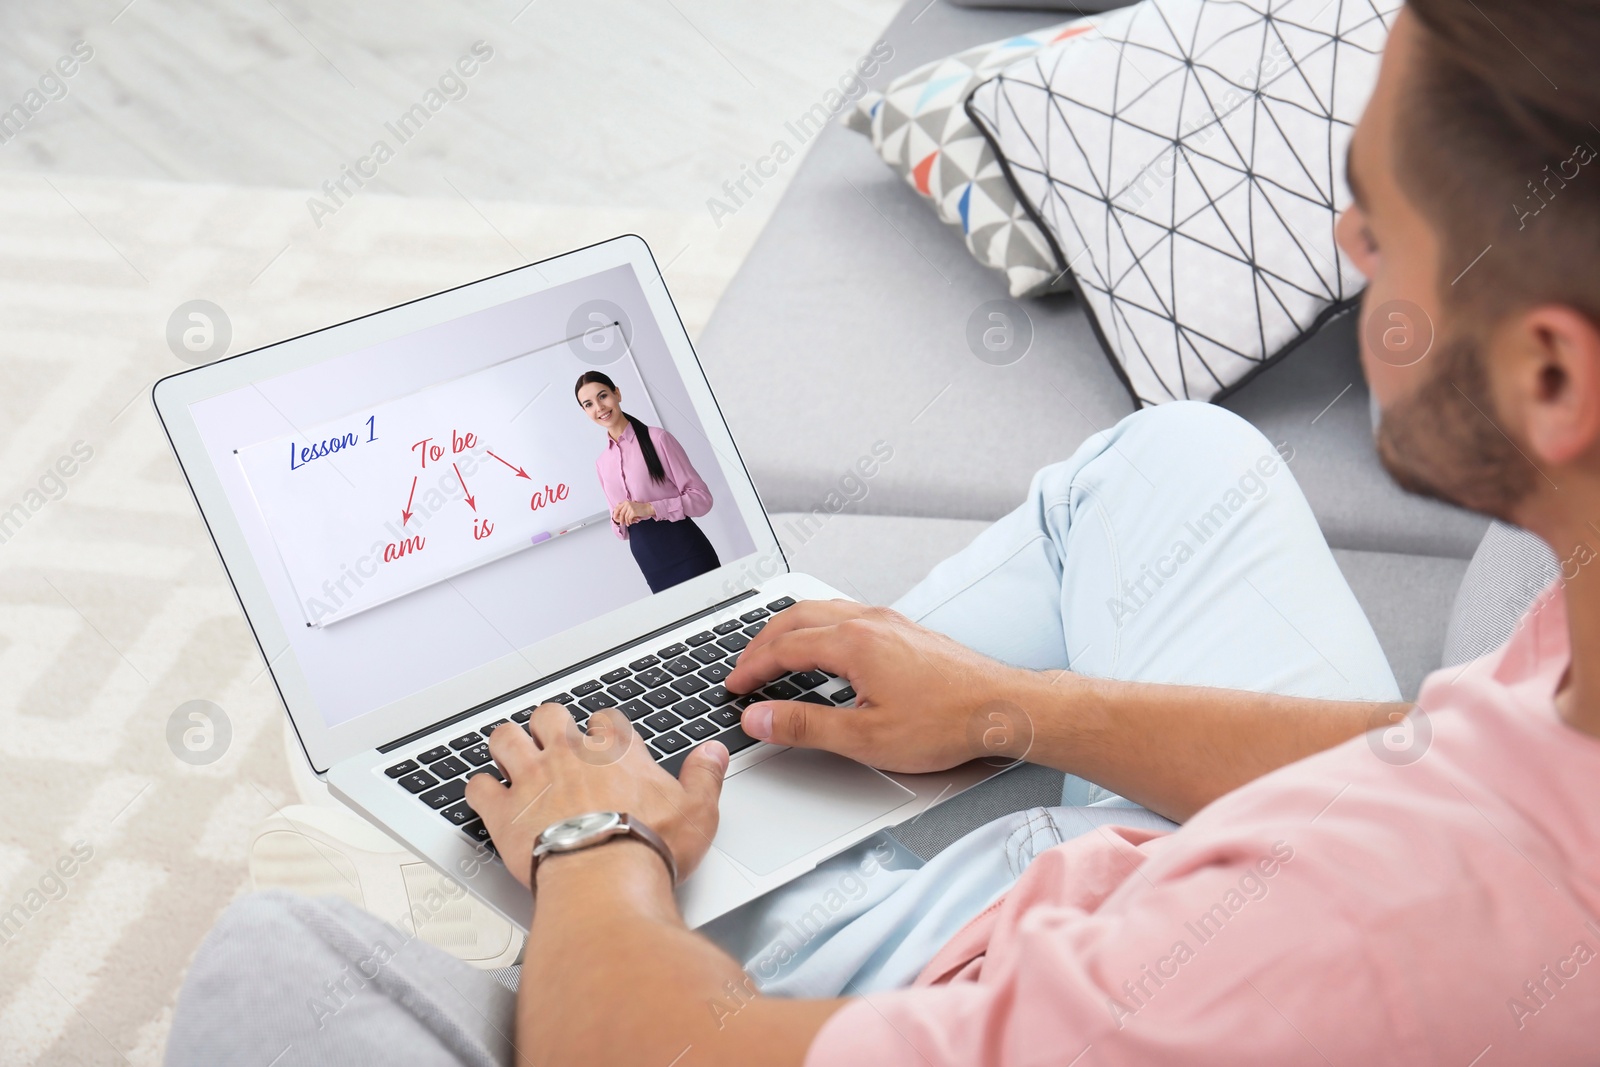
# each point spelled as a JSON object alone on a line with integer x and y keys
{"x": 812, "y": 698}
{"x": 724, "y": 628}
{"x": 699, "y": 730}
{"x": 670, "y": 742}
{"x": 690, "y": 709}
{"x": 433, "y": 755}
{"x": 465, "y": 741}
{"x": 689, "y": 685}
{"x": 578, "y": 714}
{"x": 847, "y": 695}
{"x": 448, "y": 793}
{"x": 736, "y": 739}
{"x": 672, "y": 650}
{"x": 644, "y": 663}
{"x": 700, "y": 638}
{"x": 715, "y": 673}
{"x": 488, "y": 769}
{"x": 716, "y": 696}
{"x": 559, "y": 698}
{"x": 477, "y": 755}
{"x": 459, "y": 814}
{"x": 488, "y": 731}
{"x": 725, "y": 717}
{"x": 809, "y": 679}
{"x": 583, "y": 689}
{"x": 734, "y": 642}
{"x": 401, "y": 768}
{"x": 682, "y": 665}
{"x": 612, "y": 677}
{"x": 781, "y": 690}
{"x": 781, "y": 603}
{"x": 596, "y": 701}
{"x": 643, "y": 731}
{"x": 627, "y": 690}
{"x": 636, "y": 709}
{"x": 518, "y": 717}
{"x": 654, "y": 678}
{"x": 708, "y": 654}
{"x": 663, "y": 698}
{"x": 478, "y": 832}
{"x": 754, "y": 628}
{"x": 447, "y": 768}
{"x": 663, "y": 720}
{"x": 417, "y": 781}
{"x": 755, "y": 614}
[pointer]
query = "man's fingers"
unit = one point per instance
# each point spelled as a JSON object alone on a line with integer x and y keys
{"x": 702, "y": 772}
{"x": 514, "y": 750}
{"x": 801, "y": 724}
{"x": 806, "y": 614}
{"x": 831, "y": 648}
{"x": 549, "y": 723}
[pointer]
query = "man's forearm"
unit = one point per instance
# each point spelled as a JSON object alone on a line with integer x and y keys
{"x": 1176, "y": 748}
{"x": 611, "y": 975}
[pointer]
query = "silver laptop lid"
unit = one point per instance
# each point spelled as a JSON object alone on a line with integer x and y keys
{"x": 409, "y": 504}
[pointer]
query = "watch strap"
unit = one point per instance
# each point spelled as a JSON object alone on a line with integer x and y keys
{"x": 627, "y": 826}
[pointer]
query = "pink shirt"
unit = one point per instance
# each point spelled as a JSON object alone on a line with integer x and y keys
{"x": 623, "y": 477}
{"x": 1341, "y": 910}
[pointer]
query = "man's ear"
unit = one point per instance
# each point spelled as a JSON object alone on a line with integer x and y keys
{"x": 1557, "y": 383}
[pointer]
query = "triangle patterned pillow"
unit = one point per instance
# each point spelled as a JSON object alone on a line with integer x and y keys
{"x": 920, "y": 127}
{"x": 1185, "y": 159}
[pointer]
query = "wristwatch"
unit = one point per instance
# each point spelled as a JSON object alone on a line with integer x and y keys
{"x": 596, "y": 828}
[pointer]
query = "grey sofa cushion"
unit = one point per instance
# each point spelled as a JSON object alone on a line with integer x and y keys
{"x": 1510, "y": 568}
{"x": 848, "y": 324}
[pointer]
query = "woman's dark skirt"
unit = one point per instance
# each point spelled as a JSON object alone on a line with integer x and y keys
{"x": 670, "y": 552}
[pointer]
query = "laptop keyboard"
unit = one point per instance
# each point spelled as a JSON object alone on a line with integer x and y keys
{"x": 674, "y": 698}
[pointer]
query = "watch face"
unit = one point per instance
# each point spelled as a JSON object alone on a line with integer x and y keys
{"x": 579, "y": 827}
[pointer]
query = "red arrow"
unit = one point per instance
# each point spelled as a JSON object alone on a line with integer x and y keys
{"x": 520, "y": 472}
{"x": 405, "y": 513}
{"x": 470, "y": 502}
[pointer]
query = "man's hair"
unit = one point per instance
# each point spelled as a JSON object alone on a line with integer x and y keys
{"x": 1496, "y": 147}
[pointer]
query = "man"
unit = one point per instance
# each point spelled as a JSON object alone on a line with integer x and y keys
{"x": 1321, "y": 903}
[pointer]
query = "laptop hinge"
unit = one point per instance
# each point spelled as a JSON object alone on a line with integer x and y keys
{"x": 536, "y": 683}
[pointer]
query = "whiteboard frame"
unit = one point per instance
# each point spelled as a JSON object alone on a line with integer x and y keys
{"x": 325, "y": 746}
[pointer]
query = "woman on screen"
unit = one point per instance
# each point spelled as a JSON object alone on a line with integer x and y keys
{"x": 653, "y": 489}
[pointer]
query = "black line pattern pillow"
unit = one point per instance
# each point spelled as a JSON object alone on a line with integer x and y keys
{"x": 1186, "y": 159}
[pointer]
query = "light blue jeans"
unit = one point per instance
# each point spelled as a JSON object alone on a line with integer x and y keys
{"x": 1174, "y": 547}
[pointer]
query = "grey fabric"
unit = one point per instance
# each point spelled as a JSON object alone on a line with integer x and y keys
{"x": 1025, "y": 786}
{"x": 1407, "y": 600}
{"x": 874, "y": 558}
{"x": 847, "y": 325}
{"x": 287, "y": 980}
{"x": 1510, "y": 568}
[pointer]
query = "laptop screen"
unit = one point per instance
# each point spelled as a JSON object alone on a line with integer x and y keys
{"x": 425, "y": 505}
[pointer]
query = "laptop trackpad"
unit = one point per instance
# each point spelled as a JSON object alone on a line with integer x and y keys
{"x": 797, "y": 801}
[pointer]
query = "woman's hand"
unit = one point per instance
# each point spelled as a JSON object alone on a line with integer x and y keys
{"x": 559, "y": 771}
{"x": 631, "y": 511}
{"x": 925, "y": 702}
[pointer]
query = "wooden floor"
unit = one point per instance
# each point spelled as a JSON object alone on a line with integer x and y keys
{"x": 179, "y": 164}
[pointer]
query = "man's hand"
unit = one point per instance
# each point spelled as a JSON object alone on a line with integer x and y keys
{"x": 560, "y": 771}
{"x": 925, "y": 702}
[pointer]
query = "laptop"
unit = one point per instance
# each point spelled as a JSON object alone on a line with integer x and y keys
{"x": 410, "y": 510}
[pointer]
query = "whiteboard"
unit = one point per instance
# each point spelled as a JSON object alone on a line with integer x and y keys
{"x": 398, "y": 496}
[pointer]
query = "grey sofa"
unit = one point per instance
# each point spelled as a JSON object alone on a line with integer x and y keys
{"x": 846, "y": 326}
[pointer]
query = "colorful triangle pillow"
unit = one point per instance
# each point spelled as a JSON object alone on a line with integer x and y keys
{"x": 920, "y": 127}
